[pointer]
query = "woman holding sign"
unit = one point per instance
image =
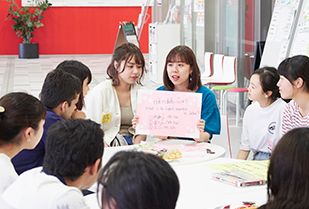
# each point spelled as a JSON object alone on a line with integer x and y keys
{"x": 112, "y": 103}
{"x": 181, "y": 73}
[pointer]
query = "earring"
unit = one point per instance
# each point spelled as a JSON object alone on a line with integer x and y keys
{"x": 28, "y": 140}
{"x": 190, "y": 77}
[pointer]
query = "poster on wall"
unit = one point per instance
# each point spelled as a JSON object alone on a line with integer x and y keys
{"x": 94, "y": 3}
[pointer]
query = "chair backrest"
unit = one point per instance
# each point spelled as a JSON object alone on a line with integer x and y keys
{"x": 229, "y": 69}
{"x": 207, "y": 64}
{"x": 223, "y": 139}
{"x": 218, "y": 66}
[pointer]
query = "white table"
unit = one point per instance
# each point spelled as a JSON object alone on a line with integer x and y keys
{"x": 197, "y": 189}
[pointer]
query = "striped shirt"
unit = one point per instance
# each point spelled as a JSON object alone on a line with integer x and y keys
{"x": 292, "y": 118}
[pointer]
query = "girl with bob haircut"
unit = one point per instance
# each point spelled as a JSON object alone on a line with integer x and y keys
{"x": 136, "y": 180}
{"x": 294, "y": 84}
{"x": 81, "y": 71}
{"x": 288, "y": 172}
{"x": 262, "y": 119}
{"x": 22, "y": 117}
{"x": 113, "y": 102}
{"x": 181, "y": 73}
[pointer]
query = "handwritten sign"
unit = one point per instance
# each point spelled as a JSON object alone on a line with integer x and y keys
{"x": 168, "y": 113}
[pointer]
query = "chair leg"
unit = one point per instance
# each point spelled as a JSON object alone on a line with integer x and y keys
{"x": 225, "y": 100}
{"x": 237, "y": 108}
{"x": 221, "y": 101}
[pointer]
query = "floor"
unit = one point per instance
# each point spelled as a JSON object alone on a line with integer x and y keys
{"x": 27, "y": 75}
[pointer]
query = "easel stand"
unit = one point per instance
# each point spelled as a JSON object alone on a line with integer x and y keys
{"x": 126, "y": 33}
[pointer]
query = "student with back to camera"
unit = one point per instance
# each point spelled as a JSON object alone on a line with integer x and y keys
{"x": 181, "y": 73}
{"x": 136, "y": 180}
{"x": 22, "y": 118}
{"x": 59, "y": 94}
{"x": 81, "y": 71}
{"x": 74, "y": 150}
{"x": 288, "y": 172}
{"x": 294, "y": 84}
{"x": 113, "y": 102}
{"x": 262, "y": 119}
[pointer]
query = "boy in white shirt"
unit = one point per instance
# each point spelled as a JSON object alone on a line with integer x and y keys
{"x": 72, "y": 162}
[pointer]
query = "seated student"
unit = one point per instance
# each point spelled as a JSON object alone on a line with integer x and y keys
{"x": 82, "y": 72}
{"x": 288, "y": 172}
{"x": 262, "y": 119}
{"x": 294, "y": 84}
{"x": 113, "y": 102}
{"x": 59, "y": 94}
{"x": 22, "y": 118}
{"x": 134, "y": 180}
{"x": 181, "y": 73}
{"x": 72, "y": 162}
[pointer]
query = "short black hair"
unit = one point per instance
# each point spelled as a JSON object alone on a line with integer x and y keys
{"x": 81, "y": 71}
{"x": 58, "y": 87}
{"x": 136, "y": 180}
{"x": 72, "y": 146}
{"x": 294, "y": 67}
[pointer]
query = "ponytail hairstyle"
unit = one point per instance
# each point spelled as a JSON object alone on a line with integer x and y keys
{"x": 18, "y": 111}
{"x": 269, "y": 78}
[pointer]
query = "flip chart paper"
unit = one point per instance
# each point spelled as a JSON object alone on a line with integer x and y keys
{"x": 168, "y": 113}
{"x": 253, "y": 167}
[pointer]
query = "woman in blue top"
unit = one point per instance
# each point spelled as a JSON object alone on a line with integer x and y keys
{"x": 181, "y": 73}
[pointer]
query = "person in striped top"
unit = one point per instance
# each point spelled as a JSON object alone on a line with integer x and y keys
{"x": 294, "y": 85}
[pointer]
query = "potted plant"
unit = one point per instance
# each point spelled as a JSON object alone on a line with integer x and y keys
{"x": 26, "y": 20}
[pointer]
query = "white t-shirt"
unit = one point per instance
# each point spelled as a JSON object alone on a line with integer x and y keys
{"x": 262, "y": 127}
{"x": 7, "y": 176}
{"x": 7, "y": 173}
{"x": 35, "y": 189}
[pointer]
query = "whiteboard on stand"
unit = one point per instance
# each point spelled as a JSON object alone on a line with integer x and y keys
{"x": 280, "y": 32}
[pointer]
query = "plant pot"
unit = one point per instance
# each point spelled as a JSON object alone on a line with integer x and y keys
{"x": 28, "y": 51}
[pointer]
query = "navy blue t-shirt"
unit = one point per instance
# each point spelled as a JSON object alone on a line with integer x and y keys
{"x": 31, "y": 158}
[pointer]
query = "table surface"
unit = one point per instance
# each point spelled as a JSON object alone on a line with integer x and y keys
{"x": 197, "y": 189}
{"x": 187, "y": 157}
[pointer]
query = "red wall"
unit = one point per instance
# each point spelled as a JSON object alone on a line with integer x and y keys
{"x": 74, "y": 30}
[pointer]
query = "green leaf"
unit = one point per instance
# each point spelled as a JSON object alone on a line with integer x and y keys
{"x": 27, "y": 19}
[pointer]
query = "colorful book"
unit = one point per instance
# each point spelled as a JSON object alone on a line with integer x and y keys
{"x": 238, "y": 179}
